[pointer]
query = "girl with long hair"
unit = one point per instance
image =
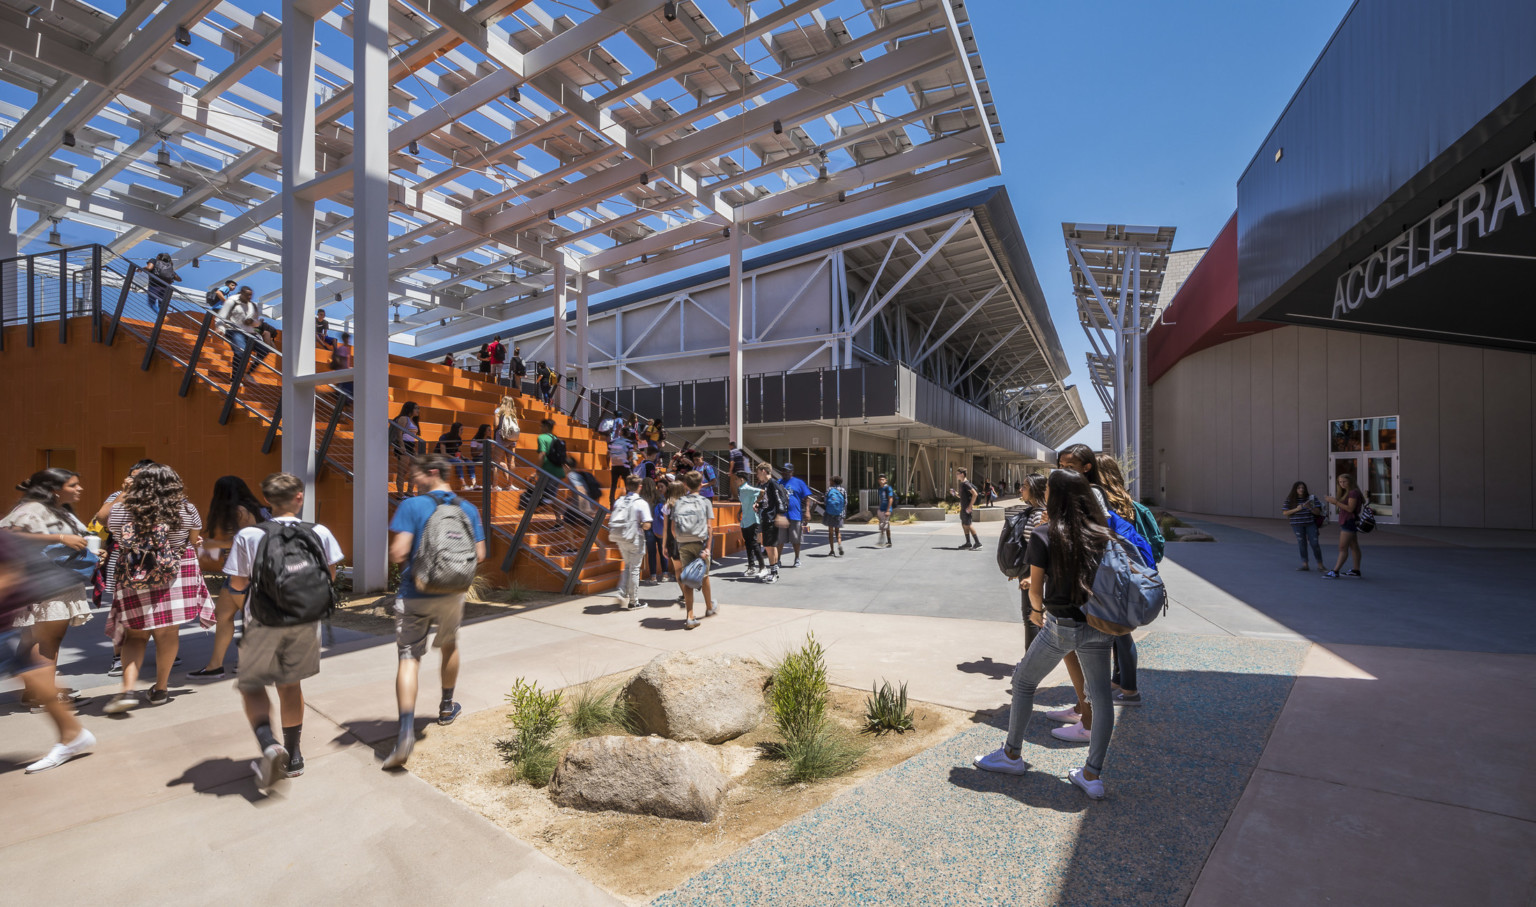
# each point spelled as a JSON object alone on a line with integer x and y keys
{"x": 103, "y": 586}
{"x": 674, "y": 493}
{"x": 1349, "y": 502}
{"x": 655, "y": 433}
{"x": 1078, "y": 719}
{"x": 1032, "y": 496}
{"x": 232, "y": 509}
{"x": 508, "y": 424}
{"x": 405, "y": 439}
{"x": 159, "y": 584}
{"x": 1122, "y": 679}
{"x": 46, "y": 515}
{"x": 1063, "y": 557}
{"x": 1304, "y": 511}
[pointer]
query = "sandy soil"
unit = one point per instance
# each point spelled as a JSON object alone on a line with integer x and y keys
{"x": 639, "y": 857}
{"x": 373, "y": 614}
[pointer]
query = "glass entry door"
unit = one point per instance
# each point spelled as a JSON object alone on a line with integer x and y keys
{"x": 1366, "y": 450}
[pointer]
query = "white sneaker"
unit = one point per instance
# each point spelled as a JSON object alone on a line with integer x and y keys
{"x": 1067, "y": 715}
{"x": 63, "y": 752}
{"x": 1094, "y": 789}
{"x": 751, "y": 571}
{"x": 999, "y": 761}
{"x": 1072, "y": 733}
{"x": 770, "y": 578}
{"x": 271, "y": 767}
{"x": 796, "y": 563}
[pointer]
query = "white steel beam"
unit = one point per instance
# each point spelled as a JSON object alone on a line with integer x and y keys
{"x": 959, "y": 322}
{"x": 298, "y": 250}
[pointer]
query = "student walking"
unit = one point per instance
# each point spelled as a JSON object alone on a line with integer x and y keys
{"x": 629, "y": 523}
{"x": 654, "y": 434}
{"x": 161, "y": 275}
{"x": 497, "y": 351}
{"x": 405, "y": 442}
{"x": 739, "y": 474}
{"x": 233, "y": 509}
{"x": 546, "y": 384}
{"x": 885, "y": 504}
{"x": 693, "y": 518}
{"x": 517, "y": 370}
{"x": 968, "y": 495}
{"x": 1122, "y": 677}
{"x": 655, "y": 549}
{"x": 45, "y": 515}
{"x": 832, "y": 517}
{"x": 282, "y": 572}
{"x": 508, "y": 419}
{"x": 341, "y": 358}
{"x": 483, "y": 358}
{"x": 474, "y": 454}
{"x": 706, "y": 473}
{"x": 159, "y": 585}
{"x": 1349, "y": 502}
{"x": 103, "y": 585}
{"x": 438, "y": 540}
{"x": 799, "y": 493}
{"x": 1307, "y": 515}
{"x": 28, "y": 585}
{"x": 216, "y": 296}
{"x": 1032, "y": 495}
{"x": 772, "y": 519}
{"x": 1063, "y": 557}
{"x": 757, "y": 559}
{"x": 620, "y": 450}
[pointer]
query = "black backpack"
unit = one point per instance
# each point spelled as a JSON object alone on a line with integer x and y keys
{"x": 557, "y": 454}
{"x": 1012, "y": 543}
{"x": 290, "y": 580}
{"x": 212, "y": 298}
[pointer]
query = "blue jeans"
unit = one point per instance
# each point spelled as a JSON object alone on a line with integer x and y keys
{"x": 1058, "y": 637}
{"x": 1305, "y": 534}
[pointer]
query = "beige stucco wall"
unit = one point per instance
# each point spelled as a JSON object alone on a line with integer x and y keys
{"x": 1237, "y": 423}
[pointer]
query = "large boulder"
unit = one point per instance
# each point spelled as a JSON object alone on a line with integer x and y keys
{"x": 713, "y": 698}
{"x": 646, "y": 775}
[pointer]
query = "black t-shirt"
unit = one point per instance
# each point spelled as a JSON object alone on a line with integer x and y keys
{"x": 967, "y": 496}
{"x": 1059, "y": 591}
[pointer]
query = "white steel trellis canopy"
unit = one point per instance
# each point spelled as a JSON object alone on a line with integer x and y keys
{"x": 621, "y": 138}
{"x": 1117, "y": 275}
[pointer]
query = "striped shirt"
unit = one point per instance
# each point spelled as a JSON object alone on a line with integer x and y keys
{"x": 1303, "y": 517}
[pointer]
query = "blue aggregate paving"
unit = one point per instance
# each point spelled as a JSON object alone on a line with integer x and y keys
{"x": 936, "y": 831}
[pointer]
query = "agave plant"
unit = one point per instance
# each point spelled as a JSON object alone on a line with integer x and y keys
{"x": 886, "y": 710}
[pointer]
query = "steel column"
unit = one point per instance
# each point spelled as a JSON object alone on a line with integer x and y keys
{"x": 562, "y": 296}
{"x": 370, "y": 296}
{"x": 583, "y": 349}
{"x": 735, "y": 302}
{"x": 297, "y": 145}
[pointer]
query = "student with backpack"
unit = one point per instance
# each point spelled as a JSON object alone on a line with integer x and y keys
{"x": 885, "y": 504}
{"x": 619, "y": 466}
{"x": 772, "y": 519}
{"x": 1014, "y": 543}
{"x": 232, "y": 509}
{"x": 1063, "y": 557}
{"x": 757, "y": 559}
{"x": 968, "y": 496}
{"x": 834, "y": 510}
{"x": 282, "y": 571}
{"x": 498, "y": 353}
{"x": 439, "y": 541}
{"x": 159, "y": 585}
{"x": 1122, "y": 678}
{"x": 794, "y": 531}
{"x": 405, "y": 442}
{"x": 517, "y": 369}
{"x": 546, "y": 384}
{"x": 216, "y": 296}
{"x": 692, "y": 518}
{"x": 629, "y": 522}
{"x": 1352, "y": 514}
{"x": 706, "y": 473}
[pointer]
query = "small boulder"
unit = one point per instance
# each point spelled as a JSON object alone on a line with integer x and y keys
{"x": 712, "y": 698}
{"x": 650, "y": 776}
{"x": 1192, "y": 535}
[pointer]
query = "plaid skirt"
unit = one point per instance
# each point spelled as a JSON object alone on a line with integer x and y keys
{"x": 184, "y": 600}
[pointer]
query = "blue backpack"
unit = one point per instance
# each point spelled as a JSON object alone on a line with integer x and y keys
{"x": 837, "y": 501}
{"x": 1125, "y": 594}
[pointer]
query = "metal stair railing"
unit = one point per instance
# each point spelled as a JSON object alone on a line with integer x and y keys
{"x": 571, "y": 522}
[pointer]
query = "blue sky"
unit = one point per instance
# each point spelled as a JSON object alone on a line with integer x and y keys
{"x": 1139, "y": 113}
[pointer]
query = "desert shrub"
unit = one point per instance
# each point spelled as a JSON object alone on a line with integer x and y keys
{"x": 813, "y": 748}
{"x": 535, "y": 718}
{"x": 595, "y": 708}
{"x": 886, "y": 710}
{"x": 1168, "y": 521}
{"x": 484, "y": 590}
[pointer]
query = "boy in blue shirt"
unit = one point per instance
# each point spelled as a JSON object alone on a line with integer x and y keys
{"x": 887, "y": 503}
{"x": 798, "y": 491}
{"x": 416, "y": 611}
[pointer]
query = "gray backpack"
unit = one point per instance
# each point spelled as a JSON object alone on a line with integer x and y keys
{"x": 690, "y": 521}
{"x": 446, "y": 558}
{"x": 1126, "y": 594}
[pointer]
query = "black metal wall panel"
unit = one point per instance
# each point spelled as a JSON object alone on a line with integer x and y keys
{"x": 648, "y": 401}
{"x": 850, "y": 392}
{"x": 626, "y": 399}
{"x": 802, "y": 396}
{"x": 773, "y": 398}
{"x": 1403, "y": 85}
{"x": 672, "y": 406}
{"x": 880, "y": 397}
{"x": 752, "y": 390}
{"x": 709, "y": 403}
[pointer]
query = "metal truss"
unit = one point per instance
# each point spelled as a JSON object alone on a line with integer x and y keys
{"x": 616, "y": 139}
{"x": 1117, "y": 276}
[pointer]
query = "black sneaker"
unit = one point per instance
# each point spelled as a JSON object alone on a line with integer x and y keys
{"x": 117, "y": 668}
{"x": 1352, "y": 573}
{"x": 158, "y": 696}
{"x": 447, "y": 713}
{"x": 207, "y": 672}
{"x": 295, "y": 766}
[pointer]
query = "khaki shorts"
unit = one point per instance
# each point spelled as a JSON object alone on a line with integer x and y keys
{"x": 415, "y": 616}
{"x": 885, "y": 519}
{"x": 688, "y": 552}
{"x": 278, "y": 655}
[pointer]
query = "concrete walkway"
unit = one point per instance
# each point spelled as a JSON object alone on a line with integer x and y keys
{"x": 1394, "y": 772}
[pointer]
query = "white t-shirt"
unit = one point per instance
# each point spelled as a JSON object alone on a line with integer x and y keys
{"x": 640, "y": 514}
{"x": 243, "y": 553}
